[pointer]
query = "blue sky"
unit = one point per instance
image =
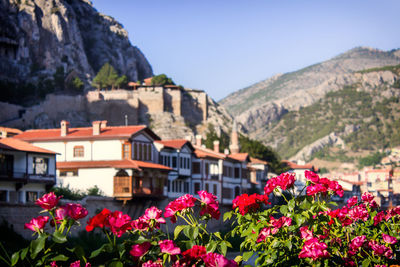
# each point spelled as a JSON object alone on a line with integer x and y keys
{"x": 221, "y": 46}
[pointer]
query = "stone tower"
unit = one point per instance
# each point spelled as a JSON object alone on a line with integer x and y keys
{"x": 234, "y": 146}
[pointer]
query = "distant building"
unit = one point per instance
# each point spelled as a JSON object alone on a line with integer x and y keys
{"x": 26, "y": 171}
{"x": 298, "y": 168}
{"x": 122, "y": 161}
{"x": 8, "y": 132}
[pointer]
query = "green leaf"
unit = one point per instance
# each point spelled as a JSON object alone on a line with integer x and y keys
{"x": 291, "y": 204}
{"x": 116, "y": 264}
{"x": 37, "y": 245}
{"x": 211, "y": 246}
{"x": 223, "y": 248}
{"x": 217, "y": 234}
{"x": 98, "y": 251}
{"x": 15, "y": 258}
{"x": 195, "y": 232}
{"x": 59, "y": 237}
{"x": 284, "y": 209}
{"x": 366, "y": 263}
{"x": 24, "y": 252}
{"x": 188, "y": 231}
{"x": 247, "y": 255}
{"x": 227, "y": 215}
{"x": 59, "y": 257}
{"x": 288, "y": 244}
{"x": 177, "y": 230}
{"x": 299, "y": 219}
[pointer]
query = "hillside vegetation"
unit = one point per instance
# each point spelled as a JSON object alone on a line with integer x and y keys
{"x": 377, "y": 119}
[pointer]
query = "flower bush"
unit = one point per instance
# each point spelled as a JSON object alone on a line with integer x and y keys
{"x": 305, "y": 231}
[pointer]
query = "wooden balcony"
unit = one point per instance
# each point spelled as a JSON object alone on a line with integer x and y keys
{"x": 128, "y": 187}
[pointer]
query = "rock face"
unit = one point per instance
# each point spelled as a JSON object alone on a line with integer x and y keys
{"x": 39, "y": 36}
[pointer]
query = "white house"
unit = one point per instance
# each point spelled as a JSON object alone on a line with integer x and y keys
{"x": 120, "y": 160}
{"x": 176, "y": 154}
{"x": 26, "y": 171}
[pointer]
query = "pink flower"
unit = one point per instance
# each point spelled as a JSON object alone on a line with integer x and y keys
{"x": 389, "y": 239}
{"x": 37, "y": 224}
{"x": 380, "y": 249}
{"x": 305, "y": 233}
{"x": 180, "y": 204}
{"x": 367, "y": 197}
{"x": 99, "y": 220}
{"x": 48, "y": 201}
{"x": 139, "y": 250}
{"x": 352, "y": 201}
{"x": 357, "y": 242}
{"x": 263, "y": 234}
{"x": 379, "y": 217}
{"x": 150, "y": 263}
{"x": 53, "y": 264}
{"x": 76, "y": 211}
{"x": 314, "y": 249}
{"x": 284, "y": 181}
{"x": 78, "y": 264}
{"x": 209, "y": 204}
{"x": 359, "y": 213}
{"x": 169, "y": 247}
{"x": 312, "y": 190}
{"x": 313, "y": 177}
{"x": 217, "y": 260}
{"x": 141, "y": 224}
{"x": 154, "y": 214}
{"x": 119, "y": 223}
{"x": 61, "y": 213}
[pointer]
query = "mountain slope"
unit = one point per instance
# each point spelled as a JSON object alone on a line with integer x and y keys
{"x": 350, "y": 101}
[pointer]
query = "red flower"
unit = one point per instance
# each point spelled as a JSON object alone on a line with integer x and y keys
{"x": 352, "y": 201}
{"x": 139, "y": 250}
{"x": 367, "y": 197}
{"x": 150, "y": 263}
{"x": 313, "y": 177}
{"x": 284, "y": 181}
{"x": 169, "y": 247}
{"x": 37, "y": 223}
{"x": 209, "y": 204}
{"x": 76, "y": 211}
{"x": 251, "y": 203}
{"x": 119, "y": 223}
{"x": 152, "y": 217}
{"x": 180, "y": 204}
{"x": 194, "y": 253}
{"x": 140, "y": 224}
{"x": 359, "y": 213}
{"x": 48, "y": 201}
{"x": 379, "y": 217}
{"x": 99, "y": 220}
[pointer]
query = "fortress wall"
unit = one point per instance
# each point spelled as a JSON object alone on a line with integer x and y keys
{"x": 151, "y": 99}
{"x": 173, "y": 101}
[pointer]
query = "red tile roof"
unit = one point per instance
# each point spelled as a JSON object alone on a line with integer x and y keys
{"x": 107, "y": 132}
{"x": 10, "y": 130}
{"x": 19, "y": 145}
{"x": 202, "y": 152}
{"x": 124, "y": 164}
{"x": 352, "y": 182}
{"x": 257, "y": 161}
{"x": 239, "y": 156}
{"x": 293, "y": 165}
{"x": 176, "y": 143}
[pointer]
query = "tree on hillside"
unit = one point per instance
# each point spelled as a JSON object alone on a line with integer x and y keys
{"x": 256, "y": 149}
{"x": 162, "y": 79}
{"x": 212, "y": 136}
{"x": 106, "y": 77}
{"x": 122, "y": 81}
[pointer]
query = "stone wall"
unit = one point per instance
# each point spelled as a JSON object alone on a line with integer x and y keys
{"x": 173, "y": 101}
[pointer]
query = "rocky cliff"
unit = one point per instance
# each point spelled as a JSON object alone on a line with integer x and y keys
{"x": 37, "y": 37}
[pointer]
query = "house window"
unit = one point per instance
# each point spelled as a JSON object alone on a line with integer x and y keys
{"x": 237, "y": 191}
{"x": 135, "y": 150}
{"x": 78, "y": 152}
{"x": 207, "y": 169}
{"x": 237, "y": 172}
{"x": 186, "y": 187}
{"x": 196, "y": 167}
{"x": 149, "y": 152}
{"x": 174, "y": 162}
{"x": 31, "y": 196}
{"x": 40, "y": 166}
{"x": 126, "y": 151}
{"x": 196, "y": 187}
{"x": 215, "y": 189}
{"x": 3, "y": 195}
{"x": 207, "y": 188}
{"x": 72, "y": 172}
{"x": 6, "y": 164}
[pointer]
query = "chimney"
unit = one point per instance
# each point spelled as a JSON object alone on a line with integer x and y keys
{"x": 188, "y": 138}
{"x": 103, "y": 124}
{"x": 216, "y": 146}
{"x": 198, "y": 140}
{"x": 226, "y": 151}
{"x": 96, "y": 127}
{"x": 64, "y": 127}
